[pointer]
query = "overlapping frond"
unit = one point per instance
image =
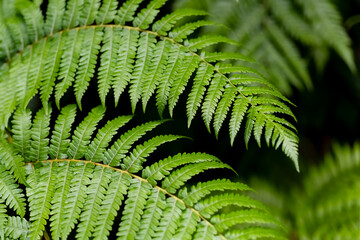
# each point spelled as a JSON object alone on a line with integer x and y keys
{"x": 105, "y": 185}
{"x": 273, "y": 32}
{"x": 329, "y": 206}
{"x": 114, "y": 47}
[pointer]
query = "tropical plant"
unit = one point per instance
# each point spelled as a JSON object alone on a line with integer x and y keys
{"x": 291, "y": 34}
{"x": 97, "y": 186}
{"x": 326, "y": 204}
{"x": 49, "y": 57}
{"x": 72, "y": 179}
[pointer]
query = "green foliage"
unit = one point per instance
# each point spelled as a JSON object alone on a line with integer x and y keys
{"x": 127, "y": 48}
{"x": 276, "y": 31}
{"x": 326, "y": 206}
{"x": 88, "y": 183}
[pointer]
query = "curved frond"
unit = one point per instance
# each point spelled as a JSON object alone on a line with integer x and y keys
{"x": 111, "y": 44}
{"x": 76, "y": 189}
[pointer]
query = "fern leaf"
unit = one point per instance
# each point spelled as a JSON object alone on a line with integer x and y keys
{"x": 111, "y": 203}
{"x": 206, "y": 232}
{"x": 134, "y": 207}
{"x": 17, "y": 228}
{"x": 61, "y": 133}
{"x": 103, "y": 137}
{"x": 251, "y": 117}
{"x": 72, "y": 13}
{"x": 58, "y": 203}
{"x": 187, "y": 67}
{"x": 156, "y": 70}
{"x": 18, "y": 32}
{"x": 88, "y": 12}
{"x": 182, "y": 32}
{"x": 54, "y": 14}
{"x": 162, "y": 168}
{"x": 10, "y": 192}
{"x": 163, "y": 89}
{"x": 187, "y": 225}
{"x": 125, "y": 61}
{"x": 33, "y": 19}
{"x": 222, "y": 56}
{"x": 82, "y": 134}
{"x": 76, "y": 197}
{"x": 127, "y": 11}
{"x": 146, "y": 16}
{"x": 212, "y": 97}
{"x": 205, "y": 41}
{"x": 223, "y": 108}
{"x": 95, "y": 195}
{"x": 86, "y": 64}
{"x": 169, "y": 222}
{"x": 12, "y": 162}
{"x": 204, "y": 188}
{"x": 133, "y": 163}
{"x": 223, "y": 222}
{"x": 69, "y": 63}
{"x": 141, "y": 68}
{"x": 201, "y": 80}
{"x": 7, "y": 45}
{"x": 107, "y": 12}
{"x": 36, "y": 68}
{"x": 39, "y": 136}
{"x": 52, "y": 63}
{"x": 178, "y": 177}
{"x": 117, "y": 151}
{"x": 21, "y": 131}
{"x": 107, "y": 62}
{"x": 152, "y": 215}
{"x": 211, "y": 205}
{"x": 167, "y": 22}
{"x": 40, "y": 196}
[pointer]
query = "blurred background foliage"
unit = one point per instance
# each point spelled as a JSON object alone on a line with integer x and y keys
{"x": 311, "y": 52}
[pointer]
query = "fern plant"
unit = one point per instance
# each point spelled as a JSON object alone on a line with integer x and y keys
{"x": 127, "y": 48}
{"x": 326, "y": 204}
{"x": 283, "y": 35}
{"x": 74, "y": 180}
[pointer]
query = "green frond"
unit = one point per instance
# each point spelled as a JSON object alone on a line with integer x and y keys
{"x": 107, "y": 12}
{"x": 177, "y": 178}
{"x": 10, "y": 192}
{"x": 86, "y": 64}
{"x": 69, "y": 194}
{"x": 88, "y": 46}
{"x": 39, "y": 136}
{"x": 69, "y": 62}
{"x": 40, "y": 193}
{"x": 125, "y": 61}
{"x": 162, "y": 168}
{"x": 204, "y": 188}
{"x": 103, "y": 137}
{"x": 21, "y": 131}
{"x": 54, "y": 14}
{"x": 126, "y": 11}
{"x": 255, "y": 233}
{"x": 146, "y": 16}
{"x": 165, "y": 24}
{"x": 33, "y": 19}
{"x": 17, "y": 228}
{"x": 13, "y": 162}
{"x": 182, "y": 32}
{"x": 133, "y": 162}
{"x": 83, "y": 132}
{"x": 117, "y": 151}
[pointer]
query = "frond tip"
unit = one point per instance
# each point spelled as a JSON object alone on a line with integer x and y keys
{"x": 119, "y": 49}
{"x": 90, "y": 183}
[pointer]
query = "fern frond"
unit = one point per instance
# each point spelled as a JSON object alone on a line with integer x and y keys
{"x": 70, "y": 194}
{"x": 10, "y": 192}
{"x": 89, "y": 46}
